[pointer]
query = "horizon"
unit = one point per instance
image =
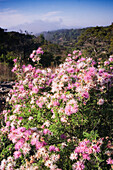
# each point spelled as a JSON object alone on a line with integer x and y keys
{"x": 38, "y": 16}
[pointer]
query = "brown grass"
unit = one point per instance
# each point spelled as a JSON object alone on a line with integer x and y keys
{"x": 5, "y": 72}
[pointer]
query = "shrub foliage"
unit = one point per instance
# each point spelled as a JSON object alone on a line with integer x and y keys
{"x": 59, "y": 120}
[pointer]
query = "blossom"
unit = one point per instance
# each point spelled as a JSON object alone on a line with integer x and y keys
{"x": 52, "y": 148}
{"x": 78, "y": 165}
{"x": 19, "y": 144}
{"x": 35, "y": 90}
{"x": 73, "y": 156}
{"x": 109, "y": 161}
{"x": 30, "y": 118}
{"x": 10, "y": 166}
{"x": 48, "y": 163}
{"x": 15, "y": 60}
{"x": 26, "y": 148}
{"x": 17, "y": 154}
{"x": 100, "y": 102}
{"x": 39, "y": 145}
{"x": 106, "y": 63}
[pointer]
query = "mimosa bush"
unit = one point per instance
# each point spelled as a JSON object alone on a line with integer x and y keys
{"x": 61, "y": 119}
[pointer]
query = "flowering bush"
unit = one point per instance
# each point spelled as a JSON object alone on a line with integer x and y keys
{"x": 60, "y": 120}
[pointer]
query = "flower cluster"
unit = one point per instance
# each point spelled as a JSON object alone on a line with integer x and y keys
{"x": 8, "y": 164}
{"x": 35, "y": 55}
{"x": 84, "y": 151}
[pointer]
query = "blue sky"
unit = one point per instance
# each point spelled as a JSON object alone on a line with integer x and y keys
{"x": 46, "y": 15}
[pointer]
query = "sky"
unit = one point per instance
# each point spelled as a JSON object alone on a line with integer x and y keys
{"x": 36, "y": 16}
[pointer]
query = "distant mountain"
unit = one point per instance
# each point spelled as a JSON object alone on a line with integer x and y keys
{"x": 65, "y": 37}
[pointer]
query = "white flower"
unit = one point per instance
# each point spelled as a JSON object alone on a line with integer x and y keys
{"x": 73, "y": 156}
{"x": 54, "y": 157}
{"x": 63, "y": 145}
{"x": 26, "y": 148}
{"x": 81, "y": 65}
{"x": 9, "y": 166}
{"x": 100, "y": 102}
{"x": 47, "y": 123}
{"x": 10, "y": 159}
{"x": 64, "y": 78}
{"x": 48, "y": 163}
{"x": 3, "y": 163}
{"x": 63, "y": 119}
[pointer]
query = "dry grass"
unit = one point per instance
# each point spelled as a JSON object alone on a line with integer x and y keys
{"x": 5, "y": 72}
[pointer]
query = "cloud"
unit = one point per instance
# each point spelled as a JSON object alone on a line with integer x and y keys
{"x": 52, "y": 16}
{"x": 38, "y": 26}
{"x": 10, "y": 18}
{"x": 14, "y": 20}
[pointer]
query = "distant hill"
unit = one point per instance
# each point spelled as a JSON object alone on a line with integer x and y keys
{"x": 96, "y": 41}
{"x": 93, "y": 41}
{"x": 15, "y": 44}
{"x": 65, "y": 37}
{"x": 20, "y": 45}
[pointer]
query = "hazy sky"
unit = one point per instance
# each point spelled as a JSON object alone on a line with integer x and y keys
{"x": 44, "y": 15}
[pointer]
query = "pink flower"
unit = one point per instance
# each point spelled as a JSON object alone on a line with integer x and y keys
{"x": 19, "y": 144}
{"x": 106, "y": 63}
{"x": 20, "y": 118}
{"x": 70, "y": 70}
{"x": 32, "y": 55}
{"x": 38, "y": 145}
{"x": 7, "y": 123}
{"x": 85, "y": 95}
{"x": 14, "y": 69}
{"x": 33, "y": 141}
{"x": 75, "y": 51}
{"x": 78, "y": 165}
{"x": 39, "y": 51}
{"x": 52, "y": 148}
{"x": 68, "y": 110}
{"x": 17, "y": 154}
{"x": 111, "y": 58}
{"x": 21, "y": 88}
{"x": 47, "y": 131}
{"x": 96, "y": 148}
{"x": 30, "y": 86}
{"x": 26, "y": 148}
{"x": 15, "y": 60}
{"x": 86, "y": 156}
{"x": 71, "y": 107}
{"x": 27, "y": 133}
{"x": 35, "y": 90}
{"x": 30, "y": 118}
{"x": 69, "y": 55}
{"x": 109, "y": 161}
{"x": 22, "y": 129}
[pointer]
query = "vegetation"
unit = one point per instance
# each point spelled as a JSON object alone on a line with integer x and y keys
{"x": 96, "y": 41}
{"x": 20, "y": 45}
{"x": 61, "y": 120}
{"x": 64, "y": 37}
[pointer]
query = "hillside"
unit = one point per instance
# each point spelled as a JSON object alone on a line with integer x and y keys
{"x": 65, "y": 37}
{"x": 20, "y": 45}
{"x": 96, "y": 41}
{"x": 93, "y": 41}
